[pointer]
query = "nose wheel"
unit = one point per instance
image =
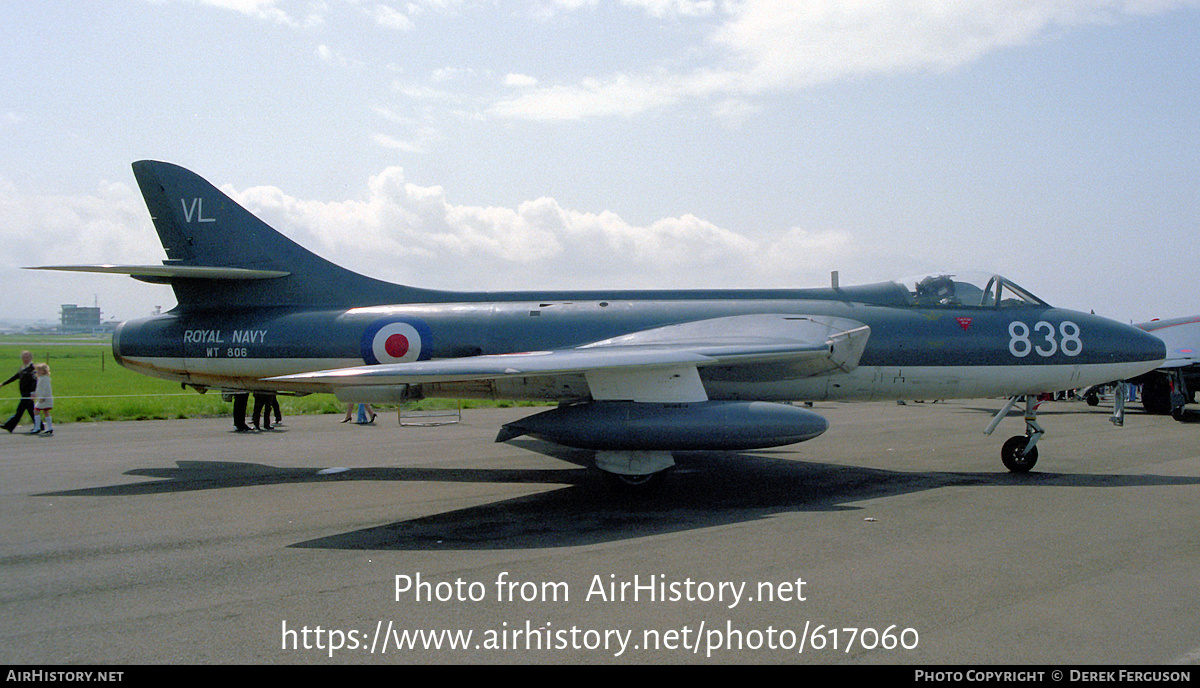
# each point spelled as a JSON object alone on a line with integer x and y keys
{"x": 1020, "y": 453}
{"x": 1017, "y": 455}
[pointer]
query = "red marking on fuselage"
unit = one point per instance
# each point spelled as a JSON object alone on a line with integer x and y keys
{"x": 396, "y": 345}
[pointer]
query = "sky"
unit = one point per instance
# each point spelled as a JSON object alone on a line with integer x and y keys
{"x": 559, "y": 144}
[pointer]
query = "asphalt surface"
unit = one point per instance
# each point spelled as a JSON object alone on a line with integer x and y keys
{"x": 896, "y": 537}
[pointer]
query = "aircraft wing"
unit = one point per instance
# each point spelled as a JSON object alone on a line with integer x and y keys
{"x": 659, "y": 364}
{"x": 1181, "y": 337}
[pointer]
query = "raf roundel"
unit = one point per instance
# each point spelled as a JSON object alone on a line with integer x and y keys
{"x": 395, "y": 342}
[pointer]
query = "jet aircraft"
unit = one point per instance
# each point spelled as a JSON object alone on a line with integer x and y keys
{"x": 637, "y": 374}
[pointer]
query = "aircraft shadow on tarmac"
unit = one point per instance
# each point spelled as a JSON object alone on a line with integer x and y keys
{"x": 706, "y": 489}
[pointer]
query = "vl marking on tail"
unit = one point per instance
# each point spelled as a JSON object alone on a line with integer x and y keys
{"x": 195, "y": 209}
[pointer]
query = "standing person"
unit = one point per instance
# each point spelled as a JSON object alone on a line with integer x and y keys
{"x": 240, "y": 399}
{"x": 275, "y": 405}
{"x": 264, "y": 402}
{"x": 28, "y": 382}
{"x": 43, "y": 398}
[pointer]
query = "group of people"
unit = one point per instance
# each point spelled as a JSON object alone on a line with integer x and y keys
{"x": 37, "y": 400}
{"x": 33, "y": 381}
{"x": 265, "y": 403}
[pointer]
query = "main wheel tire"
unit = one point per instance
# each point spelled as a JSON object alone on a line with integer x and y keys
{"x": 1156, "y": 395}
{"x": 1011, "y": 454}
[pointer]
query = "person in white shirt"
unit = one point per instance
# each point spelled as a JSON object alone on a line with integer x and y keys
{"x": 43, "y": 401}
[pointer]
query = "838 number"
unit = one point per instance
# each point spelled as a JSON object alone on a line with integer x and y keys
{"x": 1065, "y": 339}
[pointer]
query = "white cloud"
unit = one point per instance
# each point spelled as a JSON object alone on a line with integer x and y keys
{"x": 574, "y": 4}
{"x": 790, "y": 44}
{"x": 406, "y": 232}
{"x": 621, "y": 95}
{"x": 394, "y": 143}
{"x": 330, "y": 56}
{"x": 417, "y": 135}
{"x": 270, "y": 10}
{"x": 109, "y": 225}
{"x": 415, "y": 234}
{"x": 826, "y": 249}
{"x": 763, "y": 46}
{"x": 674, "y": 8}
{"x": 391, "y": 18}
{"x": 449, "y": 74}
{"x": 57, "y": 229}
{"x": 519, "y": 80}
{"x": 422, "y": 92}
{"x": 654, "y": 8}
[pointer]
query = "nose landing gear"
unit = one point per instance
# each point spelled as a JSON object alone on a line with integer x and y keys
{"x": 1020, "y": 453}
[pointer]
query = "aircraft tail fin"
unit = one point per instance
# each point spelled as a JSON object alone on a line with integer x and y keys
{"x": 220, "y": 255}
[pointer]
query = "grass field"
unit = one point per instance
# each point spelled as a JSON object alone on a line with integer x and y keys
{"x": 90, "y": 386}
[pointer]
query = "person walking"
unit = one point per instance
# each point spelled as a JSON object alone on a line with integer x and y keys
{"x": 27, "y": 383}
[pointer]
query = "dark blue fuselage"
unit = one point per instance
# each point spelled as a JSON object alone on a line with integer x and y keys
{"x": 912, "y": 350}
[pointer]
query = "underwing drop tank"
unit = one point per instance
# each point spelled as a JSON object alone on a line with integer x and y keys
{"x": 706, "y": 425}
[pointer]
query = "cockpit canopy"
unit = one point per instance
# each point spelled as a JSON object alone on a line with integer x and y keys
{"x": 956, "y": 290}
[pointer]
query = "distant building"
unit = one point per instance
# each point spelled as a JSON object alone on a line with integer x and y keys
{"x": 79, "y": 318}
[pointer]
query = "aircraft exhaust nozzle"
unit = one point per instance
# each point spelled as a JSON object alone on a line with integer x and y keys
{"x": 627, "y": 425}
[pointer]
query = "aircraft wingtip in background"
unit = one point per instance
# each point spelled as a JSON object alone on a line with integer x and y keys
{"x": 638, "y": 374}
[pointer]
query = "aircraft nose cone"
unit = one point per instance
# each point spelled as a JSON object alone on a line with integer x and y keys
{"x": 1131, "y": 351}
{"x": 1144, "y": 346}
{"x": 1106, "y": 341}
